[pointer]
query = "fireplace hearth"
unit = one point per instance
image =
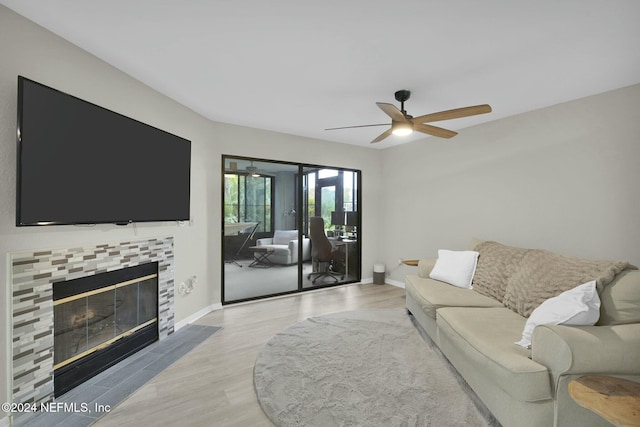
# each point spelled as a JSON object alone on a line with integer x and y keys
{"x": 102, "y": 319}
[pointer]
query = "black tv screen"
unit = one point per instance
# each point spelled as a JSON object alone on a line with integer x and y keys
{"x": 79, "y": 163}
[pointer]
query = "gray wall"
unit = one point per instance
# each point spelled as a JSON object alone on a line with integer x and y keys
{"x": 29, "y": 50}
{"x": 564, "y": 178}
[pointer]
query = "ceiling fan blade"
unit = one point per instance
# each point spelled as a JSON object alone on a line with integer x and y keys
{"x": 382, "y": 136}
{"x": 433, "y": 130}
{"x": 359, "y": 126}
{"x": 392, "y": 111}
{"x": 453, "y": 114}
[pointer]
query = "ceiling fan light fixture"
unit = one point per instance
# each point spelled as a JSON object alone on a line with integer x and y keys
{"x": 252, "y": 170}
{"x": 402, "y": 128}
{"x": 403, "y": 124}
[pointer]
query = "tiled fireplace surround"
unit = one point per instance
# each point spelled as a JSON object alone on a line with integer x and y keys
{"x": 32, "y": 275}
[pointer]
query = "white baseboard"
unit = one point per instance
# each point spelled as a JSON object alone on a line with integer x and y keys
{"x": 391, "y": 282}
{"x": 394, "y": 283}
{"x": 195, "y": 316}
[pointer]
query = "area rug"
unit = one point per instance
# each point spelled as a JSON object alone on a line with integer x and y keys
{"x": 361, "y": 368}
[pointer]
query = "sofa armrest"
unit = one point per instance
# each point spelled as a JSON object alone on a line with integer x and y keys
{"x": 306, "y": 248}
{"x": 264, "y": 241}
{"x": 425, "y": 266}
{"x": 573, "y": 350}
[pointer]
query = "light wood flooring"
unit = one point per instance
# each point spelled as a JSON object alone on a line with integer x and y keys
{"x": 213, "y": 384}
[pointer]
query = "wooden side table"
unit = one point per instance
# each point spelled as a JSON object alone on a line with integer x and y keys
{"x": 615, "y": 399}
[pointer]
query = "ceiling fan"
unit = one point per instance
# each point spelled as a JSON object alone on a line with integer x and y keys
{"x": 256, "y": 172}
{"x": 404, "y": 124}
{"x": 248, "y": 170}
{"x": 252, "y": 170}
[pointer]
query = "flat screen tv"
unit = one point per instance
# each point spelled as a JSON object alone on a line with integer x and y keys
{"x": 79, "y": 163}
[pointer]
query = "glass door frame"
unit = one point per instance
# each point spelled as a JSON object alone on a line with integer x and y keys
{"x": 301, "y": 221}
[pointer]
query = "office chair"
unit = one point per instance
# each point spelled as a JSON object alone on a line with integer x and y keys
{"x": 322, "y": 252}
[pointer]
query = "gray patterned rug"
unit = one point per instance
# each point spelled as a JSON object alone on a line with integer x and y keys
{"x": 361, "y": 368}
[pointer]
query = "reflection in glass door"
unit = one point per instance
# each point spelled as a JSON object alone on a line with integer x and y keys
{"x": 267, "y": 241}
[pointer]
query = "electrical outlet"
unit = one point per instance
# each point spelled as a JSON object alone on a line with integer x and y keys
{"x": 187, "y": 286}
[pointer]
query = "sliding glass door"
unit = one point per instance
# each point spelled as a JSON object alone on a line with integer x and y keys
{"x": 260, "y": 232}
{"x": 331, "y": 200}
{"x": 268, "y": 209}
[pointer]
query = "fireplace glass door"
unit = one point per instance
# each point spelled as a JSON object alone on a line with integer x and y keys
{"x": 87, "y": 322}
{"x": 101, "y": 319}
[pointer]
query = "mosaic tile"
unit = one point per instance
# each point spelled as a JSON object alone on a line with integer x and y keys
{"x": 32, "y": 276}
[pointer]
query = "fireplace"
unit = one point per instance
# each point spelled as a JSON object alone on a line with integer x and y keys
{"x": 32, "y": 276}
{"x": 101, "y": 319}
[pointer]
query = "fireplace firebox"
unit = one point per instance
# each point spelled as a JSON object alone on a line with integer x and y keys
{"x": 101, "y": 319}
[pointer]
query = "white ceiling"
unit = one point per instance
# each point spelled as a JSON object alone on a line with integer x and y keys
{"x": 298, "y": 67}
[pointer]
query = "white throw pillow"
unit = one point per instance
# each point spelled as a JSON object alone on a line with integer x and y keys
{"x": 455, "y": 267}
{"x": 579, "y": 306}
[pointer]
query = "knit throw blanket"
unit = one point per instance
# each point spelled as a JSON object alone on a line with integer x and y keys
{"x": 522, "y": 279}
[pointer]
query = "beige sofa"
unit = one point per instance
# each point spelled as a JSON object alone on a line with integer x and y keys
{"x": 528, "y": 387}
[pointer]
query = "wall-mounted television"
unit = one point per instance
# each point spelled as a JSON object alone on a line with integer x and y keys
{"x": 79, "y": 163}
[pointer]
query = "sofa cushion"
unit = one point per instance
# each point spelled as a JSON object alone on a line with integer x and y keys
{"x": 432, "y": 294}
{"x": 280, "y": 249}
{"x": 486, "y": 336}
{"x": 425, "y": 266}
{"x": 282, "y": 237}
{"x": 620, "y": 300}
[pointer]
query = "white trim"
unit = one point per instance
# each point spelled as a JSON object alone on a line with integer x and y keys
{"x": 391, "y": 282}
{"x": 195, "y": 316}
{"x": 395, "y": 283}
